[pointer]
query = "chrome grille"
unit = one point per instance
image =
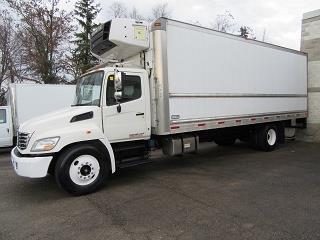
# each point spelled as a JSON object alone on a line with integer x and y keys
{"x": 23, "y": 140}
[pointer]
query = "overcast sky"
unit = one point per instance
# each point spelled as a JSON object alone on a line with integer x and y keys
{"x": 280, "y": 18}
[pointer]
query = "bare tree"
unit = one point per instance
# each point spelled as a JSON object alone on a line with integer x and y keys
{"x": 117, "y": 10}
{"x": 6, "y": 38}
{"x": 10, "y": 47}
{"x": 72, "y": 64}
{"x": 160, "y": 10}
{"x": 224, "y": 22}
{"x": 44, "y": 31}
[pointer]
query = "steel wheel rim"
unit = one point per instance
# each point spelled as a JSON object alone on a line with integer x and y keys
{"x": 84, "y": 170}
{"x": 271, "y": 136}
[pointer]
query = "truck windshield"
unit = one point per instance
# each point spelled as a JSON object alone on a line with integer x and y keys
{"x": 88, "y": 91}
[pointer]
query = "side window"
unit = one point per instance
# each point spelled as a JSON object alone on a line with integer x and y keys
{"x": 131, "y": 89}
{"x": 3, "y": 116}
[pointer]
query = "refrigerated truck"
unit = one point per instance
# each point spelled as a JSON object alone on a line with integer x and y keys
{"x": 168, "y": 85}
{"x": 26, "y": 101}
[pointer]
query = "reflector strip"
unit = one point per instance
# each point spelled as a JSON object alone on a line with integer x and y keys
{"x": 175, "y": 127}
{"x": 220, "y": 122}
{"x": 201, "y": 124}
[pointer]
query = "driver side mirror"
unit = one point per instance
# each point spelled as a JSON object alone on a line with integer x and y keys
{"x": 118, "y": 95}
{"x": 118, "y": 77}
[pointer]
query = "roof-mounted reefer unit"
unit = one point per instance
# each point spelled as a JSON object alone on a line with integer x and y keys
{"x": 119, "y": 39}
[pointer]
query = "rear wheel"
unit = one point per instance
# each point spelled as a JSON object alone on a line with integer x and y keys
{"x": 267, "y": 137}
{"x": 82, "y": 169}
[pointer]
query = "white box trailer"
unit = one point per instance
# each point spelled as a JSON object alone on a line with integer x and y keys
{"x": 207, "y": 76}
{"x": 26, "y": 101}
{"x": 168, "y": 85}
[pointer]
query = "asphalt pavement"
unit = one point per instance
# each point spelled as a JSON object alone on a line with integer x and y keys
{"x": 221, "y": 193}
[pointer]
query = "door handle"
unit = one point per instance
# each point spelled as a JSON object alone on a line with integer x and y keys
{"x": 139, "y": 114}
{"x": 8, "y": 130}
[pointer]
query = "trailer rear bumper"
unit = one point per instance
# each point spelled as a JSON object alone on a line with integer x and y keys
{"x": 32, "y": 167}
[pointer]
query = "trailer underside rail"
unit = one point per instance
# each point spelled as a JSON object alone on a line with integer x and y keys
{"x": 180, "y": 126}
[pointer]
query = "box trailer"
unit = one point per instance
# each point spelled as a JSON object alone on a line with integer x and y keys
{"x": 167, "y": 85}
{"x": 26, "y": 101}
{"x": 219, "y": 79}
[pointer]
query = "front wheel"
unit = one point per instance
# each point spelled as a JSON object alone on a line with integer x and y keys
{"x": 82, "y": 169}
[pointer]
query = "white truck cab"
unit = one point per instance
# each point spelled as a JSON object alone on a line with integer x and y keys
{"x": 96, "y": 119}
{"x": 166, "y": 85}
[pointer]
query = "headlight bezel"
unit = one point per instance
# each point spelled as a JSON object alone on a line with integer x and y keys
{"x": 46, "y": 146}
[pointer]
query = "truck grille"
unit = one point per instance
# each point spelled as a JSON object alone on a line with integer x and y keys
{"x": 23, "y": 140}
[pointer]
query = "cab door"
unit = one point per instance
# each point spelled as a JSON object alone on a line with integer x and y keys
{"x": 131, "y": 119}
{"x": 6, "y": 133}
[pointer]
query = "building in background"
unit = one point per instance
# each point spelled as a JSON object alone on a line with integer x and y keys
{"x": 310, "y": 43}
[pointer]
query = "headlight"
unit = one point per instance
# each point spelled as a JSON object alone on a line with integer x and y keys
{"x": 45, "y": 144}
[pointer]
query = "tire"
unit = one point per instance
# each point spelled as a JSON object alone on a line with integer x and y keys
{"x": 267, "y": 138}
{"x": 225, "y": 142}
{"x": 81, "y": 169}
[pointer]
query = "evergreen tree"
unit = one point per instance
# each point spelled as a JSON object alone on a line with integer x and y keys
{"x": 86, "y": 11}
{"x": 247, "y": 32}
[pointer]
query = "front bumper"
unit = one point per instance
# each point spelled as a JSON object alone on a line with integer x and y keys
{"x": 33, "y": 167}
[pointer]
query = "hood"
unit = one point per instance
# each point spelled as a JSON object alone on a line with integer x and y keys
{"x": 55, "y": 119}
